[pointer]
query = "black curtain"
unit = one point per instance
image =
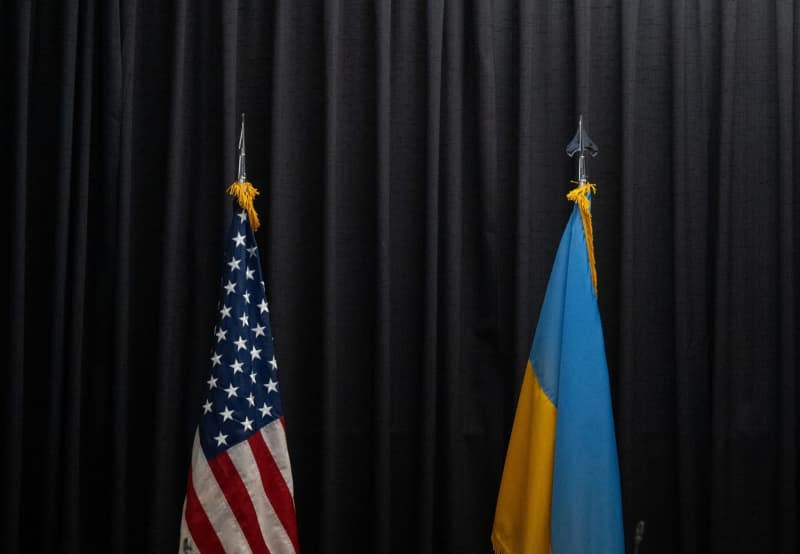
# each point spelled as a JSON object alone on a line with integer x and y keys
{"x": 411, "y": 162}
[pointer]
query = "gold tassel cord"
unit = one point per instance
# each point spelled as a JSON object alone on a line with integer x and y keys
{"x": 580, "y": 195}
{"x": 246, "y": 193}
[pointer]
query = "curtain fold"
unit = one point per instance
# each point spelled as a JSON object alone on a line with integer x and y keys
{"x": 18, "y": 47}
{"x": 694, "y": 70}
{"x": 410, "y": 157}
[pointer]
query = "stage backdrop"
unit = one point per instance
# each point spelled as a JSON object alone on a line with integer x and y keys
{"x": 411, "y": 162}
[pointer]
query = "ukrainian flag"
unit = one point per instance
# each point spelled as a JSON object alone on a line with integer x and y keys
{"x": 560, "y": 490}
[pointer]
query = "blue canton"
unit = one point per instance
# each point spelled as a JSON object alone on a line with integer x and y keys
{"x": 242, "y": 389}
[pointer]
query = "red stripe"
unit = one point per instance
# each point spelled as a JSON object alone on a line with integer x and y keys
{"x": 198, "y": 523}
{"x": 239, "y": 500}
{"x": 276, "y": 488}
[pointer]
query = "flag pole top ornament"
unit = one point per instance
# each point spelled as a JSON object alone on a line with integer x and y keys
{"x": 242, "y": 154}
{"x": 581, "y": 144}
{"x": 244, "y": 191}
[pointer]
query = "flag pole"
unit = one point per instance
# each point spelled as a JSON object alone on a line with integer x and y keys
{"x": 244, "y": 191}
{"x": 581, "y": 144}
{"x": 242, "y": 176}
{"x": 581, "y": 156}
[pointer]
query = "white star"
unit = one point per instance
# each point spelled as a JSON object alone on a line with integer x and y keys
{"x": 221, "y": 439}
{"x": 251, "y": 399}
{"x": 262, "y": 285}
{"x": 234, "y": 263}
{"x": 252, "y": 251}
{"x": 264, "y": 307}
{"x": 253, "y": 376}
{"x": 265, "y": 410}
{"x": 230, "y": 287}
{"x": 207, "y": 407}
{"x": 245, "y": 320}
{"x": 215, "y": 360}
{"x": 249, "y": 273}
{"x": 231, "y": 390}
{"x": 238, "y": 239}
{"x": 247, "y": 424}
{"x": 226, "y": 414}
{"x": 274, "y": 363}
{"x": 222, "y": 334}
{"x": 236, "y": 366}
{"x": 255, "y": 353}
{"x": 242, "y": 216}
{"x": 241, "y": 344}
{"x": 259, "y": 330}
{"x": 272, "y": 386}
{"x": 212, "y": 382}
{"x": 246, "y": 297}
{"x": 225, "y": 312}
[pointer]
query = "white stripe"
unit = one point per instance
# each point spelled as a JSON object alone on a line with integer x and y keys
{"x": 272, "y": 529}
{"x": 275, "y": 437}
{"x": 214, "y": 503}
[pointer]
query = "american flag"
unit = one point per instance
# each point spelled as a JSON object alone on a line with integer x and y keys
{"x": 239, "y": 494}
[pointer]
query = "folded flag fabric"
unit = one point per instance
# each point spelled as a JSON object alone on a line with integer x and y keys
{"x": 560, "y": 490}
{"x": 239, "y": 494}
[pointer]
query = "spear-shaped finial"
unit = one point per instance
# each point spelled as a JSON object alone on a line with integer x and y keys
{"x": 244, "y": 192}
{"x": 242, "y": 168}
{"x": 581, "y": 144}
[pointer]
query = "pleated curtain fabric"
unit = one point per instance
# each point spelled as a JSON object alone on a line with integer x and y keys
{"x": 411, "y": 161}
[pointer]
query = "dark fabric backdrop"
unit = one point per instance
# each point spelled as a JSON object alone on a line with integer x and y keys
{"x": 411, "y": 161}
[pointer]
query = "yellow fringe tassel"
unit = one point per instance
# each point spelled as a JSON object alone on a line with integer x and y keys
{"x": 246, "y": 193}
{"x": 580, "y": 195}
